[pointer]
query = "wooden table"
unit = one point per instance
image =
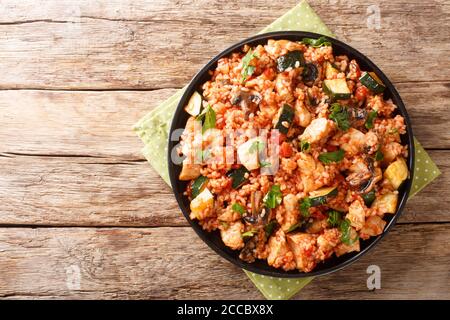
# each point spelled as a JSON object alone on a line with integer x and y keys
{"x": 83, "y": 215}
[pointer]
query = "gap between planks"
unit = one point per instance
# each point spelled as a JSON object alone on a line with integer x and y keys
{"x": 149, "y": 89}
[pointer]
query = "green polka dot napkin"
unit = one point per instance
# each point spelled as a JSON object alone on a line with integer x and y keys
{"x": 154, "y": 127}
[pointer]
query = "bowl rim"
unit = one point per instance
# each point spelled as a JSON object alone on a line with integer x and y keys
{"x": 395, "y": 96}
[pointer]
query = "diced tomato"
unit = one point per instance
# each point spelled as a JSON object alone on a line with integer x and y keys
{"x": 361, "y": 93}
{"x": 318, "y": 215}
{"x": 220, "y": 123}
{"x": 269, "y": 73}
{"x": 282, "y": 138}
{"x": 286, "y": 150}
{"x": 331, "y": 148}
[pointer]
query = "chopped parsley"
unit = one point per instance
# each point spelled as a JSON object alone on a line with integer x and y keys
{"x": 322, "y": 41}
{"x": 247, "y": 69}
{"x": 345, "y": 228}
{"x": 341, "y": 116}
{"x": 256, "y": 146}
{"x": 379, "y": 155}
{"x": 329, "y": 157}
{"x": 334, "y": 218}
{"x": 370, "y": 118}
{"x": 274, "y": 197}
{"x": 236, "y": 207}
{"x": 208, "y": 116}
{"x": 270, "y": 227}
{"x": 249, "y": 233}
{"x": 305, "y": 204}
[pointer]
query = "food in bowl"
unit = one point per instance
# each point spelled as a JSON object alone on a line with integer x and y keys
{"x": 292, "y": 153}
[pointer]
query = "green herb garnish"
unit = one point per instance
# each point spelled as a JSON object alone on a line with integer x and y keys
{"x": 370, "y": 118}
{"x": 294, "y": 227}
{"x": 329, "y": 157}
{"x": 274, "y": 197}
{"x": 305, "y": 204}
{"x": 270, "y": 227}
{"x": 198, "y": 186}
{"x": 345, "y": 228}
{"x": 247, "y": 69}
{"x": 265, "y": 164}
{"x": 208, "y": 116}
{"x": 203, "y": 155}
{"x": 322, "y": 41}
{"x": 236, "y": 207}
{"x": 341, "y": 116}
{"x": 369, "y": 197}
{"x": 256, "y": 146}
{"x": 249, "y": 233}
{"x": 334, "y": 218}
{"x": 379, "y": 156}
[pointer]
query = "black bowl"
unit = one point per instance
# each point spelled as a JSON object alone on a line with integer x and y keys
{"x": 213, "y": 239}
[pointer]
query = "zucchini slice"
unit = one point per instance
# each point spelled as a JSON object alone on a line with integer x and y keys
{"x": 396, "y": 173}
{"x": 238, "y": 177}
{"x": 198, "y": 186}
{"x": 372, "y": 82}
{"x": 204, "y": 201}
{"x": 194, "y": 105}
{"x": 330, "y": 71}
{"x": 336, "y": 89}
{"x": 285, "y": 118}
{"x": 320, "y": 197}
{"x": 291, "y": 60}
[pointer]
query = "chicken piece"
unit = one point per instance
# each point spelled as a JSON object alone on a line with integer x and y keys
{"x": 310, "y": 172}
{"x": 353, "y": 141}
{"x": 283, "y": 86}
{"x": 326, "y": 242}
{"x": 317, "y": 226}
{"x": 373, "y": 227}
{"x": 356, "y": 215}
{"x": 391, "y": 151}
{"x": 248, "y": 153}
{"x": 289, "y": 216}
{"x": 280, "y": 255}
{"x": 276, "y": 48}
{"x": 344, "y": 248}
{"x": 317, "y": 130}
{"x": 202, "y": 206}
{"x": 371, "y": 143}
{"x": 232, "y": 235}
{"x": 228, "y": 214}
{"x": 302, "y": 115}
{"x": 189, "y": 171}
{"x": 304, "y": 247}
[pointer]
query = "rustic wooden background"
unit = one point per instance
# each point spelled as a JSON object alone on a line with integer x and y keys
{"x": 77, "y": 197}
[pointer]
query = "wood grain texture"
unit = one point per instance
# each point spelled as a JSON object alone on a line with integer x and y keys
{"x": 160, "y": 263}
{"x": 83, "y": 191}
{"x": 162, "y": 44}
{"x": 99, "y": 123}
{"x": 77, "y": 195}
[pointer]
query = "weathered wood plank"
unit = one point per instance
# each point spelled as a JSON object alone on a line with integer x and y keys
{"x": 84, "y": 191}
{"x": 126, "y": 44}
{"x": 75, "y": 123}
{"x": 164, "y": 263}
{"x": 99, "y": 123}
